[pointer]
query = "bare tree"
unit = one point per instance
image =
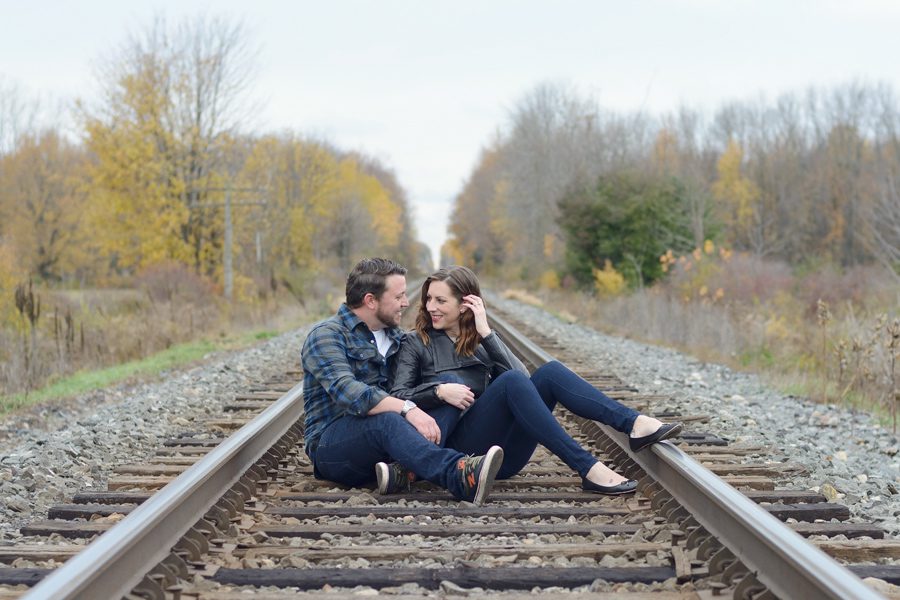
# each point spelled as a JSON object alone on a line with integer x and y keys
{"x": 18, "y": 115}
{"x": 824, "y": 166}
{"x": 884, "y": 216}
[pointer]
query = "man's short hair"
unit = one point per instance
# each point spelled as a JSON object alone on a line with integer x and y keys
{"x": 369, "y": 276}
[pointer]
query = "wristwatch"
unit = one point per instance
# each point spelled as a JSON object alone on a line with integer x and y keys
{"x": 408, "y": 405}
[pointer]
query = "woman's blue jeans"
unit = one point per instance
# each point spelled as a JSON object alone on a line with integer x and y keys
{"x": 515, "y": 412}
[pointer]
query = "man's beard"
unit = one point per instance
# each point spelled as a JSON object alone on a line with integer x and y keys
{"x": 389, "y": 319}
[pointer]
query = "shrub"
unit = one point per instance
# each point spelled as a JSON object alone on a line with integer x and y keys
{"x": 629, "y": 219}
{"x": 712, "y": 275}
{"x": 860, "y": 286}
{"x": 174, "y": 282}
{"x": 608, "y": 281}
{"x": 10, "y": 275}
{"x": 549, "y": 280}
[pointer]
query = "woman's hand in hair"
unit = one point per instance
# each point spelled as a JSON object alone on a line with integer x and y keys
{"x": 476, "y": 305}
{"x": 456, "y": 394}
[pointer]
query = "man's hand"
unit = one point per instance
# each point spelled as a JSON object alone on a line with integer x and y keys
{"x": 456, "y": 394}
{"x": 424, "y": 424}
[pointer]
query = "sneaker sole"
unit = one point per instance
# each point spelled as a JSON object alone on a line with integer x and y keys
{"x": 492, "y": 462}
{"x": 383, "y": 476}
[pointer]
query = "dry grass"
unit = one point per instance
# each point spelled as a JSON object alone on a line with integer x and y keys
{"x": 85, "y": 330}
{"x": 830, "y": 336}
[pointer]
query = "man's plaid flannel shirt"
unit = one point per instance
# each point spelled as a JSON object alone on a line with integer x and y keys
{"x": 343, "y": 373}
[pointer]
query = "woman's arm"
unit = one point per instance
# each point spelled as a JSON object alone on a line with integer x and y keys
{"x": 407, "y": 374}
{"x": 504, "y": 359}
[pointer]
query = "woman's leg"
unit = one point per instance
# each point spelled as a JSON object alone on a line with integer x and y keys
{"x": 511, "y": 414}
{"x": 446, "y": 417}
{"x": 556, "y": 383}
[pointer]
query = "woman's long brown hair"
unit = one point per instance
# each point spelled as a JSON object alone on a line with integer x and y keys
{"x": 462, "y": 282}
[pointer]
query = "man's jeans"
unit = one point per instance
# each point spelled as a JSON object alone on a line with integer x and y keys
{"x": 515, "y": 412}
{"x": 351, "y": 446}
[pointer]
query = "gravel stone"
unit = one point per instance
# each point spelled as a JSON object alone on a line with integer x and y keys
{"x": 48, "y": 453}
{"x": 846, "y": 454}
{"x": 51, "y": 452}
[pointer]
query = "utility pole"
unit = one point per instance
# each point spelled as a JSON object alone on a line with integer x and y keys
{"x": 226, "y": 259}
{"x": 228, "y": 271}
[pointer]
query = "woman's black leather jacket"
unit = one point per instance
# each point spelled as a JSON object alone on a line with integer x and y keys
{"x": 419, "y": 369}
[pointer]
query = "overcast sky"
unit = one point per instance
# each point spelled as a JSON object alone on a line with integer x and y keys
{"x": 424, "y": 85}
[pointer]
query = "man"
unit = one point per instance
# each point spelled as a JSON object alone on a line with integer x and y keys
{"x": 352, "y": 425}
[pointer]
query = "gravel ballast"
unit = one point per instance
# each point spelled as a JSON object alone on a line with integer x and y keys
{"x": 49, "y": 454}
{"x": 847, "y": 455}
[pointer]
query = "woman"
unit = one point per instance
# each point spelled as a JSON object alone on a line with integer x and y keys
{"x": 454, "y": 359}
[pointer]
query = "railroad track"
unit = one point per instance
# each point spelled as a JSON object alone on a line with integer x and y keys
{"x": 216, "y": 516}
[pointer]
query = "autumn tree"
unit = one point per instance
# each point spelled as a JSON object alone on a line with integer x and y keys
{"x": 683, "y": 150}
{"x": 738, "y": 198}
{"x": 325, "y": 209}
{"x": 506, "y": 215}
{"x": 809, "y": 178}
{"x": 42, "y": 190}
{"x": 479, "y": 220}
{"x": 173, "y": 101}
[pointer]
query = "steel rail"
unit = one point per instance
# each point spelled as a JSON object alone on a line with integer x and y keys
{"x": 777, "y": 556}
{"x": 113, "y": 564}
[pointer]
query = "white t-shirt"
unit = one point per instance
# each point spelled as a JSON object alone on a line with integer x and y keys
{"x": 383, "y": 342}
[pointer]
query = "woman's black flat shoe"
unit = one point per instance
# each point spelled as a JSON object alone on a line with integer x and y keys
{"x": 663, "y": 433}
{"x": 626, "y": 487}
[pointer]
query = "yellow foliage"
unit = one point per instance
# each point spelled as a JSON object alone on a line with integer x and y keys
{"x": 500, "y": 226}
{"x": 11, "y": 274}
{"x": 693, "y": 275}
{"x": 549, "y": 245}
{"x": 321, "y": 208}
{"x": 41, "y": 203}
{"x": 384, "y": 213}
{"x": 452, "y": 252}
{"x": 549, "y": 280}
{"x": 135, "y": 209}
{"x": 522, "y": 296}
{"x": 665, "y": 151}
{"x": 667, "y": 260}
{"x": 608, "y": 281}
{"x": 777, "y": 328}
{"x": 737, "y": 194}
{"x": 245, "y": 290}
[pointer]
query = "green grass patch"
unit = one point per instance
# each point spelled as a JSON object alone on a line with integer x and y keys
{"x": 174, "y": 357}
{"x": 760, "y": 357}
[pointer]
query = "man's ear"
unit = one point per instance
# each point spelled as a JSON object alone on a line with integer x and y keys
{"x": 370, "y": 300}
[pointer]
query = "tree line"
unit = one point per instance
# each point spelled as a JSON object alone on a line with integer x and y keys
{"x": 809, "y": 178}
{"x": 144, "y": 179}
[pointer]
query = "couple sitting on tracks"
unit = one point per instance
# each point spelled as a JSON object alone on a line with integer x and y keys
{"x": 447, "y": 402}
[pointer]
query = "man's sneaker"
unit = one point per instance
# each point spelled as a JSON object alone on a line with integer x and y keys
{"x": 478, "y": 472}
{"x": 393, "y": 478}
